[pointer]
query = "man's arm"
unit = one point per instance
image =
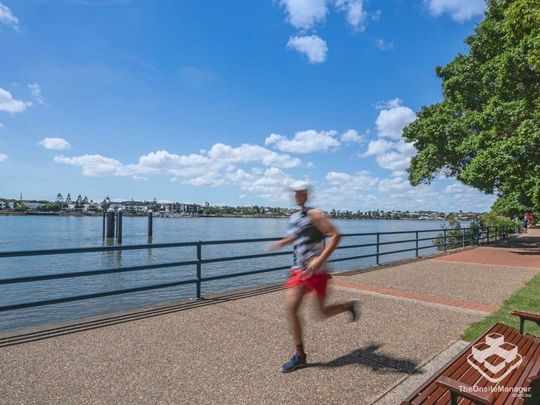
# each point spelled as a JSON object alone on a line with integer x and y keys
{"x": 325, "y": 226}
{"x": 282, "y": 242}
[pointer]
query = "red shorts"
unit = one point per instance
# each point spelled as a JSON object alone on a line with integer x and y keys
{"x": 317, "y": 282}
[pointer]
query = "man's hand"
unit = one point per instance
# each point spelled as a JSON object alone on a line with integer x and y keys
{"x": 274, "y": 246}
{"x": 315, "y": 263}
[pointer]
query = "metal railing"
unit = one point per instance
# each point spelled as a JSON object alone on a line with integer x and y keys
{"x": 447, "y": 239}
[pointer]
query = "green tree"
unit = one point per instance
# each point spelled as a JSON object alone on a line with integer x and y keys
{"x": 51, "y": 207}
{"x": 486, "y": 130}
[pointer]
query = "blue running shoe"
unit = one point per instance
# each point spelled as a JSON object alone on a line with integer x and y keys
{"x": 296, "y": 361}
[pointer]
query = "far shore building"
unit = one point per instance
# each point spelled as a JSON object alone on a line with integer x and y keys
{"x": 68, "y": 207}
{"x": 92, "y": 208}
{"x": 3, "y": 205}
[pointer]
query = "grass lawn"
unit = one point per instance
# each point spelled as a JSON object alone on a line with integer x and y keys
{"x": 527, "y": 299}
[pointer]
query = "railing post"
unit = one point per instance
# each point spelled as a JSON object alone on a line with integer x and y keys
{"x": 378, "y": 241}
{"x": 416, "y": 243}
{"x": 444, "y": 243}
{"x": 199, "y": 266}
{"x": 487, "y": 236}
{"x": 463, "y": 238}
{"x": 496, "y": 233}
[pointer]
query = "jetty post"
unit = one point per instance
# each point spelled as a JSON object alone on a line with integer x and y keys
{"x": 111, "y": 214}
{"x": 119, "y": 227}
{"x": 150, "y": 220}
{"x": 104, "y": 216}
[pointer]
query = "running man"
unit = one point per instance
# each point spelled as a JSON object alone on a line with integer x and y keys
{"x": 309, "y": 227}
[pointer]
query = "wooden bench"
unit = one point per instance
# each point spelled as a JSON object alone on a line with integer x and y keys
{"x": 460, "y": 381}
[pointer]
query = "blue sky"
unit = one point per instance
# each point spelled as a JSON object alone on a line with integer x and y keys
{"x": 225, "y": 102}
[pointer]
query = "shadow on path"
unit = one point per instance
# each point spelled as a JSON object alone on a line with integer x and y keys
{"x": 523, "y": 242}
{"x": 378, "y": 362}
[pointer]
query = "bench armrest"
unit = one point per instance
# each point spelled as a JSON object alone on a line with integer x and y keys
{"x": 459, "y": 389}
{"x": 526, "y": 316}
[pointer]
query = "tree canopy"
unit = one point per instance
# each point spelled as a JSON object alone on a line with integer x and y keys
{"x": 486, "y": 130}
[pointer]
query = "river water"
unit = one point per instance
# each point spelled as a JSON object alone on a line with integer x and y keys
{"x": 50, "y": 232}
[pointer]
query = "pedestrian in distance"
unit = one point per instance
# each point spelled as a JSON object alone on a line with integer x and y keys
{"x": 525, "y": 223}
{"x": 308, "y": 229}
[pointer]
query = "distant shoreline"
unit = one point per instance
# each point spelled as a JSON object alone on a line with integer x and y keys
{"x": 63, "y": 214}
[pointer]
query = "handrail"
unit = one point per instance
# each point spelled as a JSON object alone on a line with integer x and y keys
{"x": 466, "y": 237}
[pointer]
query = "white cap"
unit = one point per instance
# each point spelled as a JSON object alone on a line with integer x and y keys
{"x": 300, "y": 186}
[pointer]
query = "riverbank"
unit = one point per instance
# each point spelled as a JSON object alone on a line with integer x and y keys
{"x": 173, "y": 215}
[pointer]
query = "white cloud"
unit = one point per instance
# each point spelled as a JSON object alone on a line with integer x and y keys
{"x": 96, "y": 165}
{"x": 386, "y": 105}
{"x": 10, "y": 105}
{"x": 397, "y": 159}
{"x": 394, "y": 156}
{"x": 459, "y": 10}
{"x": 2, "y": 125}
{"x": 456, "y": 188}
{"x": 393, "y": 118}
{"x": 207, "y": 180}
{"x": 7, "y": 17}
{"x": 394, "y": 161}
{"x": 35, "y": 89}
{"x": 352, "y": 135}
{"x": 251, "y": 153}
{"x": 462, "y": 195}
{"x": 214, "y": 168}
{"x": 271, "y": 184}
{"x": 347, "y": 190}
{"x": 355, "y": 182}
{"x": 338, "y": 177}
{"x": 378, "y": 147}
{"x": 304, "y": 141}
{"x": 384, "y": 45}
{"x": 312, "y": 46}
{"x": 54, "y": 143}
{"x": 396, "y": 184}
{"x": 304, "y": 14}
{"x": 3, "y": 157}
{"x": 356, "y": 16}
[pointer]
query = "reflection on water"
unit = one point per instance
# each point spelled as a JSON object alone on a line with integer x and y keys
{"x": 27, "y": 232}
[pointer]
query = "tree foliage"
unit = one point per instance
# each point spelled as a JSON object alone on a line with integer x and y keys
{"x": 486, "y": 130}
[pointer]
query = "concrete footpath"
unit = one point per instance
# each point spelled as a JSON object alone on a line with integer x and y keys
{"x": 229, "y": 349}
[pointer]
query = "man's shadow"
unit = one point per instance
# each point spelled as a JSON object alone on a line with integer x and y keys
{"x": 368, "y": 356}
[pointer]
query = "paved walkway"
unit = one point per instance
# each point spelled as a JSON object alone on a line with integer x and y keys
{"x": 228, "y": 350}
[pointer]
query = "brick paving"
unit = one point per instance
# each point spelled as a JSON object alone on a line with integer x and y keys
{"x": 433, "y": 299}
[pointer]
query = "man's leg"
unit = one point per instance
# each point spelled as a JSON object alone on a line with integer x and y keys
{"x": 293, "y": 299}
{"x": 319, "y": 283}
{"x": 331, "y": 310}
